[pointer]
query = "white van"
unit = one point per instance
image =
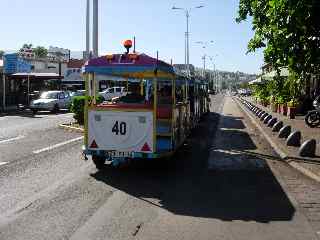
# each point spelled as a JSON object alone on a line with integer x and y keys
{"x": 113, "y": 92}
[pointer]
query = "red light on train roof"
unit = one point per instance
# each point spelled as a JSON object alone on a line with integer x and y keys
{"x": 127, "y": 43}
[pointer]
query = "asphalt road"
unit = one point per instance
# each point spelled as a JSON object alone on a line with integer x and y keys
{"x": 48, "y": 192}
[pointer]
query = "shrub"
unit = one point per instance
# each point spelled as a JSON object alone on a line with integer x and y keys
{"x": 293, "y": 103}
{"x": 77, "y": 107}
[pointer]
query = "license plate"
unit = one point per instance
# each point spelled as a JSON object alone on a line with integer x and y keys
{"x": 120, "y": 154}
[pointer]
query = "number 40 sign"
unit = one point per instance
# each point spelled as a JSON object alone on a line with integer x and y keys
{"x": 119, "y": 128}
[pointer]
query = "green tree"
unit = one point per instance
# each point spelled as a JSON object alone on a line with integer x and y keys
{"x": 1, "y": 54}
{"x": 243, "y": 85}
{"x": 26, "y": 46}
{"x": 289, "y": 31}
{"x": 40, "y": 52}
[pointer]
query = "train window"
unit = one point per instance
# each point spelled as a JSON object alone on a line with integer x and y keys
{"x": 165, "y": 92}
{"x": 179, "y": 94}
{"x": 134, "y": 95}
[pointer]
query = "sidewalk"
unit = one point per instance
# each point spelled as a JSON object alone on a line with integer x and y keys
{"x": 12, "y": 109}
{"x": 297, "y": 123}
{"x": 308, "y": 166}
{"x": 9, "y": 109}
{"x": 249, "y": 179}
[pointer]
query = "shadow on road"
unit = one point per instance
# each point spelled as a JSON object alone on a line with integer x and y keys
{"x": 185, "y": 186}
{"x": 29, "y": 114}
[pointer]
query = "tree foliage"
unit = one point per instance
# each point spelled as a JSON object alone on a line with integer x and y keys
{"x": 1, "y": 54}
{"x": 40, "y": 52}
{"x": 289, "y": 31}
{"x": 26, "y": 46}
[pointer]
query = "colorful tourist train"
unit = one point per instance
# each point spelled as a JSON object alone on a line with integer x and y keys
{"x": 152, "y": 120}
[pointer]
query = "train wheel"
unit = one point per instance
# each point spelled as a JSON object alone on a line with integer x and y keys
{"x": 99, "y": 161}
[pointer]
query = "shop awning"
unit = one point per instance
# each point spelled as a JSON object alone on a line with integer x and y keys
{"x": 256, "y": 81}
{"x": 38, "y": 76}
{"x": 284, "y": 72}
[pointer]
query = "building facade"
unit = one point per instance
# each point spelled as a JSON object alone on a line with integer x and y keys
{"x": 72, "y": 75}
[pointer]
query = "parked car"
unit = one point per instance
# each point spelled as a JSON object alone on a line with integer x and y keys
{"x": 211, "y": 91}
{"x": 113, "y": 92}
{"x": 51, "y": 101}
{"x": 77, "y": 93}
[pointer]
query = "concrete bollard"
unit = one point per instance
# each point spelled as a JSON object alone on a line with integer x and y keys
{"x": 261, "y": 112}
{"x": 284, "y": 131}
{"x": 294, "y": 139}
{"x": 272, "y": 122}
{"x": 267, "y": 119}
{"x": 308, "y": 148}
{"x": 263, "y": 116}
{"x": 277, "y": 126}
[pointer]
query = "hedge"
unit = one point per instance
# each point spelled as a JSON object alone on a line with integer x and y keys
{"x": 77, "y": 107}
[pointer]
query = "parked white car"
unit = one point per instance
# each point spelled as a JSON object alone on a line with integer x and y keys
{"x": 77, "y": 93}
{"x": 51, "y": 101}
{"x": 113, "y": 92}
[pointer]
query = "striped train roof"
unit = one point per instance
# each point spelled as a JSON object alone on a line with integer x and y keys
{"x": 126, "y": 64}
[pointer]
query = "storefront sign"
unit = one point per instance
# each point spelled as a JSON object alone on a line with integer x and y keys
{"x": 14, "y": 64}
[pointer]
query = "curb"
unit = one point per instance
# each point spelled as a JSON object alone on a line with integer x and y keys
{"x": 67, "y": 127}
{"x": 284, "y": 156}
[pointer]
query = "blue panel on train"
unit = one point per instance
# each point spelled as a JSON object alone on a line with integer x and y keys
{"x": 163, "y": 129}
{"x": 163, "y": 144}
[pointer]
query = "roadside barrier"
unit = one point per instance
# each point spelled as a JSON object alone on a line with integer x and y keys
{"x": 307, "y": 149}
{"x": 277, "y": 126}
{"x": 284, "y": 131}
{"x": 267, "y": 119}
{"x": 294, "y": 139}
{"x": 272, "y": 122}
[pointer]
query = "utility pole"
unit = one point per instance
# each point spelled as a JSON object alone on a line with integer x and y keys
{"x": 187, "y": 47}
{"x": 4, "y": 92}
{"x": 88, "y": 31}
{"x": 187, "y": 37}
{"x": 204, "y": 65}
{"x": 95, "y": 32}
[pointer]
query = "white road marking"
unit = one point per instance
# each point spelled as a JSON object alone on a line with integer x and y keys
{"x": 11, "y": 139}
{"x": 3, "y": 163}
{"x": 57, "y": 145}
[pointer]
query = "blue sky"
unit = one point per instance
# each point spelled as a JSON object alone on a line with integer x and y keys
{"x": 156, "y": 27}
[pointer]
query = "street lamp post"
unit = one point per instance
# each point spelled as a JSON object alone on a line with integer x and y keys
{"x": 187, "y": 47}
{"x": 204, "y": 46}
{"x": 215, "y": 80}
{"x": 204, "y": 65}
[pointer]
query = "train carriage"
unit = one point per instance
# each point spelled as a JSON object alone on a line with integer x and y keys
{"x": 151, "y": 121}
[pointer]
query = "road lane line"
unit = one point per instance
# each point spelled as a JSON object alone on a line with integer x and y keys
{"x": 57, "y": 145}
{"x": 12, "y": 139}
{"x": 3, "y": 163}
